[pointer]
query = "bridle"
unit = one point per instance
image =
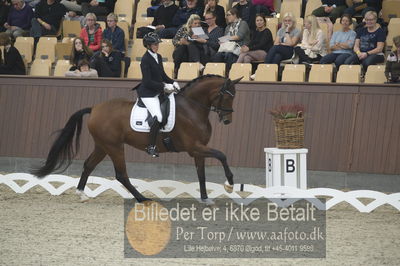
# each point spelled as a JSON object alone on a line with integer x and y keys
{"x": 219, "y": 109}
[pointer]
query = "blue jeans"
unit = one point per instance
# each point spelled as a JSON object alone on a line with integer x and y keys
{"x": 372, "y": 59}
{"x": 352, "y": 11}
{"x": 227, "y": 58}
{"x": 338, "y": 59}
{"x": 278, "y": 53}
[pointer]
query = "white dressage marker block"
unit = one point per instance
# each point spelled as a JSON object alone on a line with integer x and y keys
{"x": 286, "y": 167}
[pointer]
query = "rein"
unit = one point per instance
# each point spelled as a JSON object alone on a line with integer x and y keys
{"x": 218, "y": 109}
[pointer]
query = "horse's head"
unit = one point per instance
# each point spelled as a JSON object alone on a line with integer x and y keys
{"x": 224, "y": 101}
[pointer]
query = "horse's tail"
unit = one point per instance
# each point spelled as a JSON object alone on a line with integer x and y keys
{"x": 62, "y": 151}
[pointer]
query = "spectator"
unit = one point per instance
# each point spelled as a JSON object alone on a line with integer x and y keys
{"x": 260, "y": 43}
{"x": 392, "y": 70}
{"x": 19, "y": 19}
{"x": 287, "y": 37}
{"x": 181, "y": 16}
{"x": 155, "y": 4}
{"x": 99, "y": 8}
{"x": 92, "y": 33}
{"x": 369, "y": 43}
{"x": 107, "y": 62}
{"x": 186, "y": 48}
{"x": 213, "y": 32}
{"x": 313, "y": 44}
{"x": 330, "y": 8}
{"x": 114, "y": 34}
{"x": 79, "y": 52}
{"x": 83, "y": 70}
{"x": 237, "y": 31}
{"x": 11, "y": 63}
{"x": 360, "y": 7}
{"x": 243, "y": 8}
{"x": 164, "y": 14}
{"x": 5, "y": 6}
{"x": 48, "y": 15}
{"x": 341, "y": 43}
{"x": 219, "y": 11}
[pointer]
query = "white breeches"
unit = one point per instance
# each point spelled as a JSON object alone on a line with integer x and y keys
{"x": 153, "y": 105}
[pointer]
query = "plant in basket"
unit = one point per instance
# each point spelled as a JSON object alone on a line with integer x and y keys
{"x": 289, "y": 126}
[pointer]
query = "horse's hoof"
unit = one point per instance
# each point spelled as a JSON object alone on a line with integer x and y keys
{"x": 208, "y": 202}
{"x": 228, "y": 187}
{"x": 82, "y": 196}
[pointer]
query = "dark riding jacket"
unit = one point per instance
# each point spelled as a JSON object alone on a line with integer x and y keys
{"x": 154, "y": 76}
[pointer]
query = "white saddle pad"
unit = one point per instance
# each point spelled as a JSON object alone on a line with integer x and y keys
{"x": 139, "y": 116}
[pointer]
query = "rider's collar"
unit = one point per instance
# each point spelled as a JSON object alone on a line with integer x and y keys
{"x": 154, "y": 55}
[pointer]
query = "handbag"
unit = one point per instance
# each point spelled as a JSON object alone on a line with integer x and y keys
{"x": 229, "y": 47}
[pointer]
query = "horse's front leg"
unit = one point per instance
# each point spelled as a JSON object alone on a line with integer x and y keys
{"x": 205, "y": 151}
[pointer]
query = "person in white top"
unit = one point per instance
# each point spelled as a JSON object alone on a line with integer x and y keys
{"x": 313, "y": 45}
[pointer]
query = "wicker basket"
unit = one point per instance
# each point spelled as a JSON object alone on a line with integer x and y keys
{"x": 289, "y": 133}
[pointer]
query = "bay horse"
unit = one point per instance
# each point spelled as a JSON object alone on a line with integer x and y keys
{"x": 109, "y": 125}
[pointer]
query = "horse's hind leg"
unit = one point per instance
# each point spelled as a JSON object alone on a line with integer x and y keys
{"x": 118, "y": 158}
{"x": 91, "y": 162}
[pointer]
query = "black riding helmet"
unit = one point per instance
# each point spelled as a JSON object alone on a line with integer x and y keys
{"x": 151, "y": 38}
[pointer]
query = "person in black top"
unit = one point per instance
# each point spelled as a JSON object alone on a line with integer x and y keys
{"x": 79, "y": 52}
{"x": 164, "y": 14}
{"x": 99, "y": 8}
{"x": 260, "y": 42}
{"x": 5, "y": 6}
{"x": 47, "y": 18}
{"x": 154, "y": 83}
{"x": 243, "y": 8}
{"x": 107, "y": 62}
{"x": 11, "y": 63}
{"x": 219, "y": 11}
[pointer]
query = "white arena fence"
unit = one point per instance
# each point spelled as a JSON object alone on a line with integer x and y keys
{"x": 276, "y": 194}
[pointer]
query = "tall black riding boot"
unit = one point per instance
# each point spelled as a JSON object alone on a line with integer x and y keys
{"x": 152, "y": 148}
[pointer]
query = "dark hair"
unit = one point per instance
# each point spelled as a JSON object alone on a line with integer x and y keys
{"x": 109, "y": 44}
{"x": 83, "y": 62}
{"x": 5, "y": 39}
{"x": 86, "y": 49}
{"x": 346, "y": 16}
{"x": 233, "y": 11}
{"x": 263, "y": 17}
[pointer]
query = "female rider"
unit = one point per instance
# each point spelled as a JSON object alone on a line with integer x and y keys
{"x": 154, "y": 83}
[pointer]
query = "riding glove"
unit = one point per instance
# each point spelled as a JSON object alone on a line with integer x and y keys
{"x": 169, "y": 88}
{"x": 176, "y": 86}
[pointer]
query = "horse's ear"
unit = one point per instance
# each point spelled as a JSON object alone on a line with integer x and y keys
{"x": 237, "y": 80}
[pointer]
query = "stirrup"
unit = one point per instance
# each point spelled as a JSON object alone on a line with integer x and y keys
{"x": 152, "y": 151}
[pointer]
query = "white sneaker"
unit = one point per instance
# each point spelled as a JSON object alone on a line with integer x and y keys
{"x": 201, "y": 67}
{"x": 253, "y": 77}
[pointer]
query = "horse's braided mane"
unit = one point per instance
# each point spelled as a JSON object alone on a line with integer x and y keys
{"x": 191, "y": 83}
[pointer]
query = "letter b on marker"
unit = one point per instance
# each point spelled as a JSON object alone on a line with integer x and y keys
{"x": 290, "y": 167}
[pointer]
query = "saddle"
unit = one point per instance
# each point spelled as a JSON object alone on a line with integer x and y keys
{"x": 141, "y": 119}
